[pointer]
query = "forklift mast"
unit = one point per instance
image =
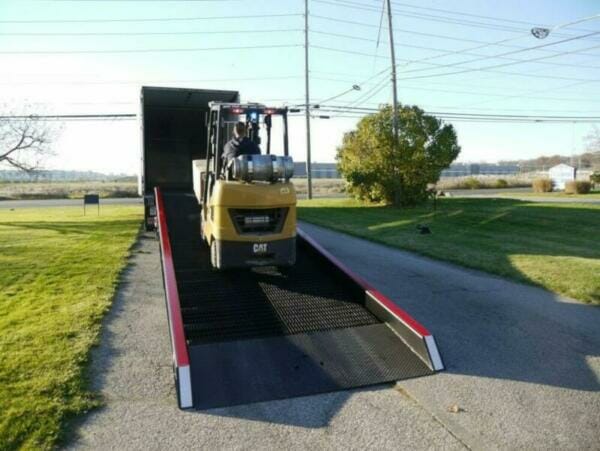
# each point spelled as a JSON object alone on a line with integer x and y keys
{"x": 221, "y": 119}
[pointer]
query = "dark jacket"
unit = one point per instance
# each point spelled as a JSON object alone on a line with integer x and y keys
{"x": 236, "y": 147}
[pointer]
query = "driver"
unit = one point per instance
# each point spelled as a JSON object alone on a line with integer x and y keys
{"x": 240, "y": 144}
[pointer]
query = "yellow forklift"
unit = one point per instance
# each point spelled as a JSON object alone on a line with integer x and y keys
{"x": 248, "y": 202}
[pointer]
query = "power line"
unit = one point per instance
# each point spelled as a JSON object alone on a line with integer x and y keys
{"x": 513, "y": 52}
{"x": 447, "y": 52}
{"x": 379, "y": 33}
{"x": 71, "y": 117}
{"x": 151, "y": 33}
{"x": 159, "y": 50}
{"x": 138, "y": 1}
{"x": 151, "y": 19}
{"x": 495, "y": 66}
{"x": 338, "y": 108}
{"x": 348, "y": 77}
{"x": 541, "y": 46}
{"x": 436, "y": 18}
{"x": 501, "y": 43}
{"x": 137, "y": 82}
{"x": 478, "y": 16}
{"x": 480, "y": 69}
{"x": 528, "y": 110}
{"x": 472, "y": 117}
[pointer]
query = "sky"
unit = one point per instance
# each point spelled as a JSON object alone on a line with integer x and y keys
{"x": 92, "y": 56}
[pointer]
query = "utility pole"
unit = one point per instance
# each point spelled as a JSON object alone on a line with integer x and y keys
{"x": 393, "y": 54}
{"x": 307, "y": 102}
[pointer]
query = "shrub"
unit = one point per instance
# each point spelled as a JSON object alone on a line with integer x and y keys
{"x": 472, "y": 183}
{"x": 595, "y": 178}
{"x": 578, "y": 187}
{"x": 542, "y": 185}
{"x": 379, "y": 171}
{"x": 501, "y": 183}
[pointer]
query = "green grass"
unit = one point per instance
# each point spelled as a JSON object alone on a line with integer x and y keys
{"x": 58, "y": 273}
{"x": 556, "y": 246}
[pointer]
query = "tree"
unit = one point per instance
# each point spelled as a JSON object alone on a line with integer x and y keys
{"x": 24, "y": 142}
{"x": 593, "y": 140}
{"x": 378, "y": 171}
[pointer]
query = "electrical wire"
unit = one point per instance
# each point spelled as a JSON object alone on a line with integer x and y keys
{"x": 71, "y": 117}
{"x": 151, "y": 33}
{"x": 435, "y": 18}
{"x": 501, "y": 43}
{"x": 159, "y": 50}
{"x": 479, "y": 69}
{"x": 447, "y": 52}
{"x": 151, "y": 19}
{"x": 514, "y": 52}
{"x": 496, "y": 66}
{"x": 138, "y": 82}
{"x": 477, "y": 16}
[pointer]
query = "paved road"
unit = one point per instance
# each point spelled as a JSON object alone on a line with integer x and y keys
{"x": 523, "y": 365}
{"x": 487, "y": 191}
{"x": 520, "y": 194}
{"x": 38, "y": 203}
{"x": 132, "y": 370}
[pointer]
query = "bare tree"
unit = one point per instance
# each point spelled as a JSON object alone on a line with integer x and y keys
{"x": 24, "y": 142}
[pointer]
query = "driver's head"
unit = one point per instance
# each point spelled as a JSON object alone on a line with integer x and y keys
{"x": 239, "y": 130}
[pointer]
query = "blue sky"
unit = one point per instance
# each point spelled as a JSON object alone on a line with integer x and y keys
{"x": 33, "y": 79}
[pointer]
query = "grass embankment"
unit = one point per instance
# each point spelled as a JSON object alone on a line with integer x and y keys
{"x": 58, "y": 273}
{"x": 556, "y": 246}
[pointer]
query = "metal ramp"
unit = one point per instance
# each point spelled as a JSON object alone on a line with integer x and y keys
{"x": 255, "y": 335}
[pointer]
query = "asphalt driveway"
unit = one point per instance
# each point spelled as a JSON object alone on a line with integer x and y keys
{"x": 523, "y": 368}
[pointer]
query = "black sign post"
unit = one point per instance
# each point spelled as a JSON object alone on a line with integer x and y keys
{"x": 91, "y": 199}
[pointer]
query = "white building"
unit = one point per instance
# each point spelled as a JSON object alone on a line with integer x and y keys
{"x": 560, "y": 174}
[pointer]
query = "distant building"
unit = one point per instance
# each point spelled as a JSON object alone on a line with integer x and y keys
{"x": 319, "y": 170}
{"x": 467, "y": 169}
{"x": 329, "y": 170}
{"x": 560, "y": 174}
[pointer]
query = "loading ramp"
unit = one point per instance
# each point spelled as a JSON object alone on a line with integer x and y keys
{"x": 255, "y": 335}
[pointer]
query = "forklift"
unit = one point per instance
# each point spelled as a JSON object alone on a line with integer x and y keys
{"x": 248, "y": 204}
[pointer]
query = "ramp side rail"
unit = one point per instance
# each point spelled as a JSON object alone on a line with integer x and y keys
{"x": 181, "y": 359}
{"x": 414, "y": 334}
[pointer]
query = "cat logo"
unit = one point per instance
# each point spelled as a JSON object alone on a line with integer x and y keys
{"x": 259, "y": 248}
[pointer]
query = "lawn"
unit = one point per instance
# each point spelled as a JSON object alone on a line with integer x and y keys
{"x": 555, "y": 246}
{"x": 58, "y": 273}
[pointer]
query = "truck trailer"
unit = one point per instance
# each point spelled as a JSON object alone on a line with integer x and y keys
{"x": 173, "y": 125}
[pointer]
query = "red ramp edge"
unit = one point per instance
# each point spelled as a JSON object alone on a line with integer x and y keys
{"x": 413, "y": 333}
{"x": 181, "y": 359}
